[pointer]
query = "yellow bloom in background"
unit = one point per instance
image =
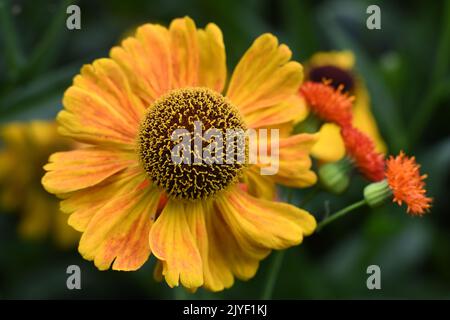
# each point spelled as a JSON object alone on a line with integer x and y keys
{"x": 338, "y": 66}
{"x": 26, "y": 148}
{"x": 206, "y": 224}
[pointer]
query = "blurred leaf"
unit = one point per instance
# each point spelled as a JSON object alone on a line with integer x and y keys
{"x": 51, "y": 42}
{"x": 13, "y": 55}
{"x": 436, "y": 163}
{"x": 443, "y": 49}
{"x": 23, "y": 98}
{"x": 428, "y": 106}
{"x": 300, "y": 28}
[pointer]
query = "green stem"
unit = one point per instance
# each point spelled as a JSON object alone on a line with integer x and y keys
{"x": 277, "y": 259}
{"x": 340, "y": 213}
{"x": 275, "y": 267}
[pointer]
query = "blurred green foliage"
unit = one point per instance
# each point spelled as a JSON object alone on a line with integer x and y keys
{"x": 406, "y": 67}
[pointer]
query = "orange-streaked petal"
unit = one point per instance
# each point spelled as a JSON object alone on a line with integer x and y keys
{"x": 185, "y": 52}
{"x": 266, "y": 224}
{"x": 119, "y": 230}
{"x": 172, "y": 241}
{"x": 78, "y": 169}
{"x": 330, "y": 146}
{"x": 212, "y": 64}
{"x": 292, "y": 109}
{"x": 83, "y": 204}
{"x": 100, "y": 107}
{"x": 236, "y": 260}
{"x": 147, "y": 61}
{"x": 264, "y": 77}
{"x": 216, "y": 274}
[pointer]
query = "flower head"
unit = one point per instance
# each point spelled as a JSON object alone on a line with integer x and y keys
{"x": 361, "y": 150}
{"x": 27, "y": 146}
{"x": 407, "y": 184}
{"x": 125, "y": 192}
{"x": 328, "y": 103}
{"x": 338, "y": 68}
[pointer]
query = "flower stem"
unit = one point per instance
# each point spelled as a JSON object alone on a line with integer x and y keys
{"x": 277, "y": 261}
{"x": 340, "y": 213}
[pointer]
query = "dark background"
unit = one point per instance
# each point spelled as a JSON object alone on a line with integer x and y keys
{"x": 405, "y": 65}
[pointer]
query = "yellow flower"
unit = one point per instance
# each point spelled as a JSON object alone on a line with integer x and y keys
{"x": 338, "y": 66}
{"x": 206, "y": 224}
{"x": 27, "y": 147}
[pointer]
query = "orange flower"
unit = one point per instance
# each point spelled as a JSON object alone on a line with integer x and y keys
{"x": 407, "y": 184}
{"x": 329, "y": 104}
{"x": 362, "y": 150}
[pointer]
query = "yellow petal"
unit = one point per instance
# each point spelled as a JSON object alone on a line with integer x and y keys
{"x": 295, "y": 162}
{"x": 341, "y": 59}
{"x": 100, "y": 107}
{"x": 230, "y": 256}
{"x": 119, "y": 230}
{"x": 5, "y": 165}
{"x": 172, "y": 241}
{"x": 77, "y": 169}
{"x": 212, "y": 64}
{"x": 292, "y": 110}
{"x": 330, "y": 146}
{"x": 185, "y": 52}
{"x": 363, "y": 118}
{"x": 259, "y": 186}
{"x": 36, "y": 219}
{"x": 82, "y": 205}
{"x": 147, "y": 61}
{"x": 264, "y": 223}
{"x": 264, "y": 77}
{"x": 216, "y": 274}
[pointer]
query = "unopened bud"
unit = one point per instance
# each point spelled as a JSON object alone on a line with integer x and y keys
{"x": 377, "y": 193}
{"x": 334, "y": 176}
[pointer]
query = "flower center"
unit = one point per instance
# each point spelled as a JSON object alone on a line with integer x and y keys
{"x": 337, "y": 76}
{"x": 184, "y": 143}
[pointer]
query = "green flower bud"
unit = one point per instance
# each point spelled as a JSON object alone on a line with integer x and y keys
{"x": 334, "y": 176}
{"x": 377, "y": 193}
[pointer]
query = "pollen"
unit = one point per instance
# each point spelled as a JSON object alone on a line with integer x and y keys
{"x": 407, "y": 184}
{"x": 192, "y": 111}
